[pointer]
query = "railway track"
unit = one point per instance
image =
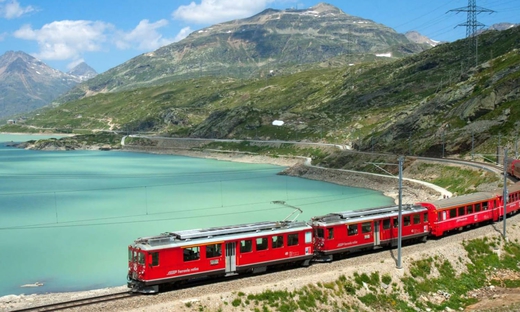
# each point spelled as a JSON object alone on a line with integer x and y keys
{"x": 497, "y": 169}
{"x": 79, "y": 302}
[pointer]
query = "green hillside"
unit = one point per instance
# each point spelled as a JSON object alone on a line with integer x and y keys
{"x": 423, "y": 104}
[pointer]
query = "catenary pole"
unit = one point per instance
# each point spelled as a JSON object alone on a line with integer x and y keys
{"x": 399, "y": 218}
{"x": 504, "y": 195}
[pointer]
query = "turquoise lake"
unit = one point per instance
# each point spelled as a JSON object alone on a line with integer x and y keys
{"x": 67, "y": 217}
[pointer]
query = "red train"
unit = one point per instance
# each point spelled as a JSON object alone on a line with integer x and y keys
{"x": 513, "y": 167}
{"x": 174, "y": 257}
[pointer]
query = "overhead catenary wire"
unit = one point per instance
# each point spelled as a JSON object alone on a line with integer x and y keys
{"x": 77, "y": 223}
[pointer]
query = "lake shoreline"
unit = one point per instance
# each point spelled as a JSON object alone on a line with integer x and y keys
{"x": 294, "y": 166}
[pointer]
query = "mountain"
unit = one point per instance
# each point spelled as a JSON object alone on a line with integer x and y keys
{"x": 82, "y": 72}
{"x": 502, "y": 26}
{"x": 27, "y": 83}
{"x": 435, "y": 101}
{"x": 416, "y": 37}
{"x": 279, "y": 41}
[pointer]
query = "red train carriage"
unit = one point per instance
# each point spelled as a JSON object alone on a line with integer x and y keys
{"x": 462, "y": 211}
{"x": 513, "y": 167}
{"x": 172, "y": 257}
{"x": 350, "y": 231}
{"x": 513, "y": 200}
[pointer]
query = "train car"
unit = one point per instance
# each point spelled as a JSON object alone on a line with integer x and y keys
{"x": 513, "y": 167}
{"x": 350, "y": 231}
{"x": 455, "y": 213}
{"x": 513, "y": 200}
{"x": 184, "y": 255}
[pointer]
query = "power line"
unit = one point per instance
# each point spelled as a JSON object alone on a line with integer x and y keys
{"x": 472, "y": 25}
{"x": 74, "y": 223}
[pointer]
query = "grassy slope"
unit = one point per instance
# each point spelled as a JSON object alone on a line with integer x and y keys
{"x": 382, "y": 105}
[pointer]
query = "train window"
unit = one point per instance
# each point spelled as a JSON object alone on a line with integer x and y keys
{"x": 366, "y": 227}
{"x": 246, "y": 245}
{"x": 396, "y": 223}
{"x": 155, "y": 258}
{"x": 331, "y": 233}
{"x": 425, "y": 217}
{"x": 406, "y": 220}
{"x": 416, "y": 219}
{"x": 469, "y": 209}
{"x": 213, "y": 250}
{"x": 140, "y": 258}
{"x": 261, "y": 243}
{"x": 308, "y": 237}
{"x": 320, "y": 233}
{"x": 352, "y": 229}
{"x": 129, "y": 255}
{"x": 386, "y": 224}
{"x": 292, "y": 239}
{"x": 453, "y": 213}
{"x": 277, "y": 241}
{"x": 462, "y": 211}
{"x": 484, "y": 206}
{"x": 191, "y": 253}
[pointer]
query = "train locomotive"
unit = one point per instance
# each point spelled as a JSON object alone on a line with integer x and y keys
{"x": 181, "y": 256}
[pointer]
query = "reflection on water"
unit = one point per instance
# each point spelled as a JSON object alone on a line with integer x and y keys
{"x": 66, "y": 218}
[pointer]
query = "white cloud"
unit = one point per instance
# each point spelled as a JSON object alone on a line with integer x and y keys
{"x": 3, "y": 36}
{"x": 12, "y": 9}
{"x": 183, "y": 34}
{"x": 63, "y": 40}
{"x": 144, "y": 36}
{"x": 216, "y": 11}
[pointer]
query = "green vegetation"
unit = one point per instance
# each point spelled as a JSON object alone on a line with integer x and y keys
{"x": 431, "y": 284}
{"x": 455, "y": 179}
{"x": 418, "y": 105}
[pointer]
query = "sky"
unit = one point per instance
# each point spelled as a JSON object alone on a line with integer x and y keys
{"x": 107, "y": 33}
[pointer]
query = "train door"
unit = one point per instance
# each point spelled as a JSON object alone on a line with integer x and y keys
{"x": 377, "y": 236}
{"x": 231, "y": 259}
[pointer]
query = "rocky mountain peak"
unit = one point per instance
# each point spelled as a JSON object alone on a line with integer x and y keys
{"x": 323, "y": 7}
{"x": 416, "y": 37}
{"x": 16, "y": 66}
{"x": 83, "y": 72}
{"x": 11, "y": 56}
{"x": 27, "y": 83}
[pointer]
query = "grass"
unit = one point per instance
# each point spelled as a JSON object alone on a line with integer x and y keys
{"x": 455, "y": 179}
{"x": 365, "y": 289}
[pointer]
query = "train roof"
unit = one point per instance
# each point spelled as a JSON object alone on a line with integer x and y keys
{"x": 366, "y": 214}
{"x": 216, "y": 234}
{"x": 461, "y": 200}
{"x": 510, "y": 189}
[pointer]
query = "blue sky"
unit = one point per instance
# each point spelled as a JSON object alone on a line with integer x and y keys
{"x": 106, "y": 33}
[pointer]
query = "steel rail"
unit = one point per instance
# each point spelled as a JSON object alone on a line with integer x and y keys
{"x": 79, "y": 302}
